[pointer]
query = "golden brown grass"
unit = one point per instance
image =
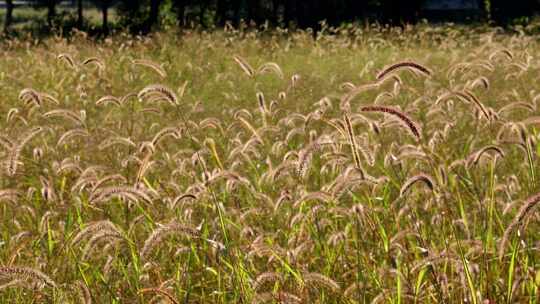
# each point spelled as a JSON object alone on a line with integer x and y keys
{"x": 250, "y": 166}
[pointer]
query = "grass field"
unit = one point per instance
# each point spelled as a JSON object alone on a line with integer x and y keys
{"x": 368, "y": 166}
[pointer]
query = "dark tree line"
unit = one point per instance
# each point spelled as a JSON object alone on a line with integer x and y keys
{"x": 144, "y": 15}
{"x": 309, "y": 13}
{"x": 504, "y": 11}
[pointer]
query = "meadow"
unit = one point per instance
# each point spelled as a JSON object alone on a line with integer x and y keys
{"x": 370, "y": 165}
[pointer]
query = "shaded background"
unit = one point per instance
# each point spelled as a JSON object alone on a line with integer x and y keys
{"x": 144, "y": 15}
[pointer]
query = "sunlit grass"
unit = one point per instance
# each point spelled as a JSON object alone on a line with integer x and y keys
{"x": 238, "y": 167}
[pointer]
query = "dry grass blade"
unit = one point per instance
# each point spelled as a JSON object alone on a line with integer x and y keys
{"x": 319, "y": 280}
{"x": 163, "y": 231}
{"x": 96, "y": 61}
{"x": 160, "y": 291}
{"x": 519, "y": 220}
{"x": 26, "y": 273}
{"x": 404, "y": 65}
{"x": 152, "y": 65}
{"x": 409, "y": 123}
{"x": 28, "y": 95}
{"x": 67, "y": 58}
{"x": 352, "y": 141}
{"x": 108, "y": 99}
{"x": 244, "y": 66}
{"x": 270, "y": 67}
{"x": 475, "y": 157}
{"x": 160, "y": 91}
{"x": 278, "y": 297}
{"x": 426, "y": 179}
{"x": 68, "y": 114}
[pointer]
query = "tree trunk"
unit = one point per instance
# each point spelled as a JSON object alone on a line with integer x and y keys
{"x": 274, "y": 18}
{"x": 309, "y": 15}
{"x": 289, "y": 13}
{"x": 79, "y": 14}
{"x": 504, "y": 11}
{"x": 329, "y": 12}
{"x": 154, "y": 13}
{"x": 105, "y": 14}
{"x": 180, "y": 11}
{"x": 391, "y": 12}
{"x": 301, "y": 15}
{"x": 316, "y": 17}
{"x": 51, "y": 12}
{"x": 202, "y": 11}
{"x": 9, "y": 15}
{"x": 357, "y": 9}
{"x": 254, "y": 11}
{"x": 221, "y": 12}
{"x": 237, "y": 7}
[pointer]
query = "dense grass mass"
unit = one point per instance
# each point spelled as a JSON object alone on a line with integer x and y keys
{"x": 366, "y": 166}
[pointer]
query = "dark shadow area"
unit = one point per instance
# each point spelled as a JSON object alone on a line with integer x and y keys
{"x": 101, "y": 17}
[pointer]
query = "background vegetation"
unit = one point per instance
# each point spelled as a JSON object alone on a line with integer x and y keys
{"x": 141, "y": 16}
